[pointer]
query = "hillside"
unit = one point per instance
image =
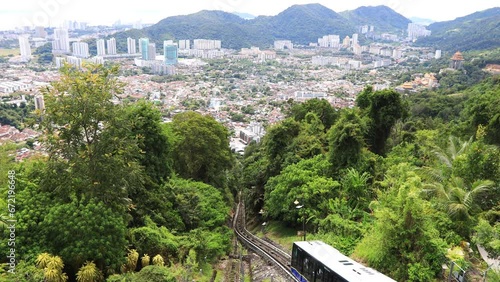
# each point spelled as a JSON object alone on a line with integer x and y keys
{"x": 382, "y": 17}
{"x": 300, "y": 23}
{"x": 305, "y": 23}
{"x": 477, "y": 31}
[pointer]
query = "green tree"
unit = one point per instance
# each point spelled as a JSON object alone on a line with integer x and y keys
{"x": 306, "y": 181}
{"x": 277, "y": 144}
{"x": 482, "y": 109}
{"x": 460, "y": 200}
{"x": 199, "y": 204}
{"x": 403, "y": 242}
{"x": 320, "y": 107}
{"x": 311, "y": 140}
{"x": 154, "y": 240}
{"x": 383, "y": 109}
{"x": 355, "y": 188}
{"x": 155, "y": 143}
{"x": 153, "y": 140}
{"x": 202, "y": 150}
{"x": 85, "y": 230}
{"x": 346, "y": 140}
{"x": 91, "y": 153}
{"x": 488, "y": 236}
{"x": 154, "y": 273}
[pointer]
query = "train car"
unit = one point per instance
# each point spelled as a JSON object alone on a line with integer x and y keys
{"x": 315, "y": 261}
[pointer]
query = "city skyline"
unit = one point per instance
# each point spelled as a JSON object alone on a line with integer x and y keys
{"x": 55, "y": 12}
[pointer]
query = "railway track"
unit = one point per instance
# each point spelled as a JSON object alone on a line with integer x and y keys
{"x": 266, "y": 250}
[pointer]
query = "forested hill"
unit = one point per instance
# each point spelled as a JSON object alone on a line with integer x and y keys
{"x": 477, "y": 31}
{"x": 300, "y": 23}
{"x": 304, "y": 24}
{"x": 382, "y": 17}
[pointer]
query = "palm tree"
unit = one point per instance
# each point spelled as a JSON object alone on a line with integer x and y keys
{"x": 145, "y": 260}
{"x": 158, "y": 260}
{"x": 455, "y": 148}
{"x": 52, "y": 266}
{"x": 89, "y": 273}
{"x": 462, "y": 201}
{"x": 458, "y": 199}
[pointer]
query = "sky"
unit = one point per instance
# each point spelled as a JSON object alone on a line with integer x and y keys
{"x": 54, "y": 12}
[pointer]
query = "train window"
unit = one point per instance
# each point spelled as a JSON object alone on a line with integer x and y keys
{"x": 308, "y": 270}
{"x": 319, "y": 274}
{"x": 294, "y": 255}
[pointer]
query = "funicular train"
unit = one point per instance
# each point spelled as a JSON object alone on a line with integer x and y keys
{"x": 315, "y": 261}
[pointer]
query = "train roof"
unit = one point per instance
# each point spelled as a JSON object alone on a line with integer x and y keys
{"x": 341, "y": 264}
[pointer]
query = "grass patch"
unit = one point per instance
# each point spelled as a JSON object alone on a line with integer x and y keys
{"x": 279, "y": 233}
{"x": 7, "y": 52}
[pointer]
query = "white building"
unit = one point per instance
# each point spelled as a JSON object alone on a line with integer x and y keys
{"x": 60, "y": 61}
{"x": 111, "y": 44}
{"x": 74, "y": 61}
{"x": 101, "y": 47}
{"x": 206, "y": 44}
{"x": 437, "y": 55}
{"x": 397, "y": 54}
{"x": 158, "y": 67}
{"x": 151, "y": 51}
{"x": 25, "y": 48}
{"x": 357, "y": 49}
{"x": 415, "y": 31}
{"x": 14, "y": 86}
{"x": 184, "y": 44}
{"x": 329, "y": 41}
{"x": 131, "y": 46}
{"x": 283, "y": 44}
{"x": 266, "y": 55}
{"x": 354, "y": 39}
{"x": 97, "y": 60}
{"x": 61, "y": 41}
{"x": 354, "y": 64}
{"x": 80, "y": 49}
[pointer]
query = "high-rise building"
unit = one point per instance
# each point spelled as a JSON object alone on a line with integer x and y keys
{"x": 329, "y": 41}
{"x": 347, "y": 42}
{"x": 184, "y": 44}
{"x": 111, "y": 46}
{"x": 415, "y": 31}
{"x": 438, "y": 54}
{"x": 131, "y": 46}
{"x": 61, "y": 41}
{"x": 101, "y": 47}
{"x": 170, "y": 53}
{"x": 143, "y": 47}
{"x": 151, "y": 51}
{"x": 354, "y": 39}
{"x": 205, "y": 44}
{"x": 24, "y": 46}
{"x": 74, "y": 61}
{"x": 356, "y": 49}
{"x": 80, "y": 49}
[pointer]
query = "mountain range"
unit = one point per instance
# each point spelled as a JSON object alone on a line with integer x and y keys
{"x": 477, "y": 31}
{"x": 303, "y": 24}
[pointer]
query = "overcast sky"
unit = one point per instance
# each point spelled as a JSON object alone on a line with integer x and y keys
{"x": 53, "y": 12}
